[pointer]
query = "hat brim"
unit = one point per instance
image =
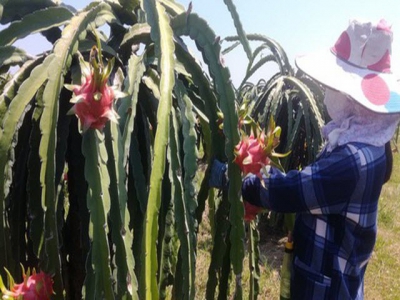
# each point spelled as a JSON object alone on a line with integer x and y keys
{"x": 379, "y": 92}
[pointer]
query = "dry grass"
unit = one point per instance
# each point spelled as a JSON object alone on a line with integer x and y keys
{"x": 382, "y": 279}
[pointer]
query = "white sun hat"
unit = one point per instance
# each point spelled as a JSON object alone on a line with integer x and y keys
{"x": 359, "y": 66}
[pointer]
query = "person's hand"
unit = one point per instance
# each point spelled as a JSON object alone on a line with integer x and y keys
{"x": 218, "y": 177}
{"x": 251, "y": 197}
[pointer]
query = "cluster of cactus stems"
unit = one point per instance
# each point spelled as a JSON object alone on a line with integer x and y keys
{"x": 110, "y": 210}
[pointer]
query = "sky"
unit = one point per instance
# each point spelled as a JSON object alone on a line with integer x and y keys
{"x": 300, "y": 26}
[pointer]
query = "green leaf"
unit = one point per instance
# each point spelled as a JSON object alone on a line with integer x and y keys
{"x": 76, "y": 229}
{"x": 254, "y": 261}
{"x": 11, "y": 56}
{"x": 127, "y": 108}
{"x": 190, "y": 206}
{"x": 125, "y": 16}
{"x": 216, "y": 144}
{"x": 61, "y": 61}
{"x": 138, "y": 172}
{"x": 172, "y": 7}
{"x": 16, "y": 208}
{"x": 169, "y": 246}
{"x": 202, "y": 198}
{"x": 86, "y": 46}
{"x": 34, "y": 189}
{"x": 127, "y": 111}
{"x": 254, "y": 68}
{"x": 312, "y": 117}
{"x": 139, "y": 32}
{"x": 35, "y": 22}
{"x": 12, "y": 86}
{"x": 129, "y": 5}
{"x": 220, "y": 246}
{"x": 104, "y": 14}
{"x": 122, "y": 236}
{"x": 274, "y": 47}
{"x": 15, "y": 9}
{"x": 98, "y": 201}
{"x": 205, "y": 39}
{"x": 138, "y": 184}
{"x": 163, "y": 37}
{"x": 239, "y": 28}
{"x": 152, "y": 81}
{"x": 226, "y": 274}
{"x": 12, "y": 117}
{"x": 186, "y": 252}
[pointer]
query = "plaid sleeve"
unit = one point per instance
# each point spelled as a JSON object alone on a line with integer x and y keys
{"x": 323, "y": 187}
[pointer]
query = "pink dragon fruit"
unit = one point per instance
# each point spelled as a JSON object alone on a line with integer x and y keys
{"x": 251, "y": 211}
{"x": 94, "y": 98}
{"x": 251, "y": 156}
{"x": 38, "y": 286}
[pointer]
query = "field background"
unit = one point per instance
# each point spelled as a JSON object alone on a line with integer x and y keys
{"x": 382, "y": 280}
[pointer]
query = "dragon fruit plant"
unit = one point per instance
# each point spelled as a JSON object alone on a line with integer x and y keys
{"x": 111, "y": 210}
{"x": 124, "y": 224}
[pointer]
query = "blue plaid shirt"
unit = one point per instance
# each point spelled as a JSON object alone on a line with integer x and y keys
{"x": 336, "y": 201}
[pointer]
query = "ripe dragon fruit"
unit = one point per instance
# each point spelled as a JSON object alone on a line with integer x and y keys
{"x": 38, "y": 286}
{"x": 94, "y": 98}
{"x": 254, "y": 153}
{"x": 251, "y": 155}
{"x": 251, "y": 211}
